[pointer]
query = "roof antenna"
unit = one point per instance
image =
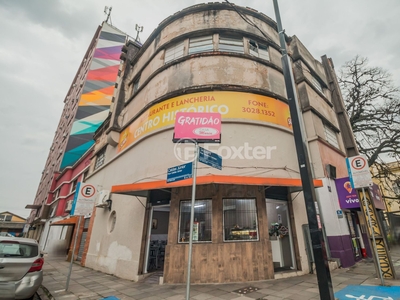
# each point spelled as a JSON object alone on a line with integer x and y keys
{"x": 138, "y": 29}
{"x": 107, "y": 11}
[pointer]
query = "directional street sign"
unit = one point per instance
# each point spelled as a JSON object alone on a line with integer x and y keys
{"x": 209, "y": 158}
{"x": 359, "y": 173}
{"x": 181, "y": 172}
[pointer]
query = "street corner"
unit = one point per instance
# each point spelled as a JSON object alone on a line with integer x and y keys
{"x": 366, "y": 292}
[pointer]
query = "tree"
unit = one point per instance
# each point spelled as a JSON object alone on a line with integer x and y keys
{"x": 373, "y": 105}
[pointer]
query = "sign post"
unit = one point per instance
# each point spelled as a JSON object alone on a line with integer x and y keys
{"x": 82, "y": 205}
{"x": 195, "y": 128}
{"x": 360, "y": 178}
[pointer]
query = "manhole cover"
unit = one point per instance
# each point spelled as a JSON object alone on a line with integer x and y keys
{"x": 246, "y": 290}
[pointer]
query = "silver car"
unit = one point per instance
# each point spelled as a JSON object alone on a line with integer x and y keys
{"x": 20, "y": 268}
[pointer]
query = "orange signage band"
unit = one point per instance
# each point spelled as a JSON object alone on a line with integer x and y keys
{"x": 218, "y": 179}
{"x": 231, "y": 105}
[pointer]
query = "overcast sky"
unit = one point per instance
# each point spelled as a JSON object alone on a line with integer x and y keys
{"x": 43, "y": 43}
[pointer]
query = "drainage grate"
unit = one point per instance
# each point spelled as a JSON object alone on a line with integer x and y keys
{"x": 246, "y": 290}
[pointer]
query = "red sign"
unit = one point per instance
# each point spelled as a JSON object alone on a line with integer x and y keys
{"x": 199, "y": 127}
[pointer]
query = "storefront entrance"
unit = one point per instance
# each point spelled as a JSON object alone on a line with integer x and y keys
{"x": 355, "y": 234}
{"x": 158, "y": 237}
{"x": 280, "y": 235}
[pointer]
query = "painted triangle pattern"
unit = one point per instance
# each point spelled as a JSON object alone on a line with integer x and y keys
{"x": 95, "y": 100}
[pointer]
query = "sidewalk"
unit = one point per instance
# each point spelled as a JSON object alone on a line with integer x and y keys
{"x": 88, "y": 284}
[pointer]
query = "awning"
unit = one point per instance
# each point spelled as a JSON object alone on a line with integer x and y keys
{"x": 33, "y": 206}
{"x": 137, "y": 189}
{"x": 70, "y": 221}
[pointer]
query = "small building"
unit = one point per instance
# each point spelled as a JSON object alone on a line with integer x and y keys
{"x": 11, "y": 224}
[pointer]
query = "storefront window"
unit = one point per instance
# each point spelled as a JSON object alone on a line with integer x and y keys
{"x": 202, "y": 221}
{"x": 240, "y": 220}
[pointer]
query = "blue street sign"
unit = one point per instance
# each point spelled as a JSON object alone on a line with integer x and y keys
{"x": 209, "y": 158}
{"x": 181, "y": 172}
{"x": 368, "y": 292}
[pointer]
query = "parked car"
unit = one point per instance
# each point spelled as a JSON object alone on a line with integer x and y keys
{"x": 6, "y": 234}
{"x": 20, "y": 268}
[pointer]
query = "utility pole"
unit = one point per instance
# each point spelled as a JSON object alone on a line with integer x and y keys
{"x": 319, "y": 251}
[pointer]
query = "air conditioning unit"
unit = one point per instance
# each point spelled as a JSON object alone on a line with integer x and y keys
{"x": 101, "y": 201}
{"x": 69, "y": 205}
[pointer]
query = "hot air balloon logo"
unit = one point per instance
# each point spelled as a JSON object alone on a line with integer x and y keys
{"x": 347, "y": 186}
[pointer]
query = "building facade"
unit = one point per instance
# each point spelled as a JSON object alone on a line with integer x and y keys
{"x": 250, "y": 217}
{"x": 86, "y": 106}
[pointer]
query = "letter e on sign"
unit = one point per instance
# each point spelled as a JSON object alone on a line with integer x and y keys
{"x": 88, "y": 191}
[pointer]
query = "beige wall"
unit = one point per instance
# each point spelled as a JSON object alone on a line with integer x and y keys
{"x": 149, "y": 159}
{"x": 117, "y": 252}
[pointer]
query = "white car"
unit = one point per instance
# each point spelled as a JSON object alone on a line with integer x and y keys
{"x": 20, "y": 268}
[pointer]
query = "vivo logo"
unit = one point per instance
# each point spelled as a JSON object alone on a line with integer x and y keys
{"x": 352, "y": 201}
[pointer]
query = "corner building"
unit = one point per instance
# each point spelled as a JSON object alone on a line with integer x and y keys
{"x": 249, "y": 216}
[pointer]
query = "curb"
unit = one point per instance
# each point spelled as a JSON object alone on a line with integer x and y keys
{"x": 44, "y": 293}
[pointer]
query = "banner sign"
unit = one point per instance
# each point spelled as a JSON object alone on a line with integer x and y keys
{"x": 231, "y": 105}
{"x": 348, "y": 197}
{"x": 200, "y": 127}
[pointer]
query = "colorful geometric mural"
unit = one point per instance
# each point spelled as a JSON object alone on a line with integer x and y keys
{"x": 94, "y": 103}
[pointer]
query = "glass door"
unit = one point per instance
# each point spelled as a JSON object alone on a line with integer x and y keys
{"x": 355, "y": 242}
{"x": 280, "y": 235}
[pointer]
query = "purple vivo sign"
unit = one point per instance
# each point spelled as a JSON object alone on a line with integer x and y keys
{"x": 348, "y": 197}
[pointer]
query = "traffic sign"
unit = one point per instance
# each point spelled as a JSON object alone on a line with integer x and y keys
{"x": 83, "y": 203}
{"x": 359, "y": 173}
{"x": 210, "y": 158}
{"x": 181, "y": 172}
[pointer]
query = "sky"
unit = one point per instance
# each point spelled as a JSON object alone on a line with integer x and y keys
{"x": 43, "y": 43}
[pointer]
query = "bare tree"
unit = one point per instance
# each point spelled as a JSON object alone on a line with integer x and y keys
{"x": 373, "y": 105}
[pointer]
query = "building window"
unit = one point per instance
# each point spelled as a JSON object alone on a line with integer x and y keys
{"x": 331, "y": 136}
{"x": 396, "y": 187}
{"x": 201, "y": 44}
{"x": 100, "y": 158}
{"x": 174, "y": 52}
{"x": 317, "y": 84}
{"x": 73, "y": 185}
{"x": 5, "y": 217}
{"x": 258, "y": 50}
{"x": 231, "y": 44}
{"x": 136, "y": 85}
{"x": 57, "y": 194}
{"x": 240, "y": 220}
{"x": 85, "y": 175}
{"x": 202, "y": 221}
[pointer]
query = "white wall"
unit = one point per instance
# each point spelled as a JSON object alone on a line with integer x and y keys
{"x": 117, "y": 252}
{"x": 329, "y": 204}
